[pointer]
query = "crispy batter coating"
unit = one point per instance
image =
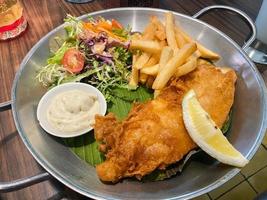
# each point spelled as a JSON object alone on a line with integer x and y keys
{"x": 153, "y": 135}
{"x": 215, "y": 89}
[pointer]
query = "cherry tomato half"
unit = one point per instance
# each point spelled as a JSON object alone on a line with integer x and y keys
{"x": 116, "y": 24}
{"x": 73, "y": 60}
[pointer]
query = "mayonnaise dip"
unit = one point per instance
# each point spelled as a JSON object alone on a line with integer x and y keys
{"x": 73, "y": 110}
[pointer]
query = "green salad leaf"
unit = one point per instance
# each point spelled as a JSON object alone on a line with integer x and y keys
{"x": 56, "y": 59}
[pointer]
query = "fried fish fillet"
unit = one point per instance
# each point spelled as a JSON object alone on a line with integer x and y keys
{"x": 153, "y": 135}
{"x": 215, "y": 89}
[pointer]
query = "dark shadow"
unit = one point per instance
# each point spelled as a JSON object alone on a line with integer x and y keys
{"x": 204, "y": 158}
{"x": 9, "y": 137}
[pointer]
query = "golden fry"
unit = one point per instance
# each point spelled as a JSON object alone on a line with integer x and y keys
{"x": 136, "y": 36}
{"x": 156, "y": 93}
{"x": 179, "y": 38}
{"x": 149, "y": 32}
{"x": 160, "y": 35}
{"x": 165, "y": 56}
{"x": 177, "y": 60}
{"x": 154, "y": 59}
{"x": 135, "y": 74}
{"x": 187, "y": 67}
{"x": 141, "y": 61}
{"x": 134, "y": 77}
{"x": 146, "y": 45}
{"x": 201, "y": 61}
{"x": 160, "y": 32}
{"x": 135, "y": 57}
{"x": 205, "y": 53}
{"x": 143, "y": 78}
{"x": 163, "y": 43}
{"x": 152, "y": 70}
{"x": 197, "y": 54}
{"x": 170, "y": 34}
{"x": 186, "y": 37}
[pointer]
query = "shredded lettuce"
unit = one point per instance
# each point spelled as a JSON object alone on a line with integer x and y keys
{"x": 57, "y": 57}
{"x": 112, "y": 75}
{"x": 79, "y": 77}
{"x": 73, "y": 26}
{"x": 124, "y": 33}
{"x": 51, "y": 75}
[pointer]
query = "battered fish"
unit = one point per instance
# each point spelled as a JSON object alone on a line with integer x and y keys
{"x": 153, "y": 135}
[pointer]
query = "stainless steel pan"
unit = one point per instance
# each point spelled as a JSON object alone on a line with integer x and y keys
{"x": 248, "y": 126}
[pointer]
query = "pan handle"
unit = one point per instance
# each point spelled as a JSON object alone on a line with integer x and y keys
{"x": 5, "y": 105}
{"x": 244, "y": 16}
{"x": 24, "y": 182}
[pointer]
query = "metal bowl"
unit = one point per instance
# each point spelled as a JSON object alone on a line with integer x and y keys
{"x": 248, "y": 125}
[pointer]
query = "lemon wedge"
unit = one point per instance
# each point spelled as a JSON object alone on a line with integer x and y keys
{"x": 206, "y": 134}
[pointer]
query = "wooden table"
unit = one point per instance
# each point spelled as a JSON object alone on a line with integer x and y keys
{"x": 15, "y": 160}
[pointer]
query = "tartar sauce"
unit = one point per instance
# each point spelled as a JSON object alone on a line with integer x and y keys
{"x": 73, "y": 110}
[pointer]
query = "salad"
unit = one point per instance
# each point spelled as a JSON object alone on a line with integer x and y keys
{"x": 94, "y": 52}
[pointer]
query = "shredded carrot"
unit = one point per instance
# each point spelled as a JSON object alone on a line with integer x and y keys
{"x": 88, "y": 26}
{"x": 102, "y": 27}
{"x": 111, "y": 34}
{"x": 105, "y": 25}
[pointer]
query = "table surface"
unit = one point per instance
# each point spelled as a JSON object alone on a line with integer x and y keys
{"x": 15, "y": 160}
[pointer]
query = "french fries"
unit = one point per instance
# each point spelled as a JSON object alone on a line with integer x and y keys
{"x": 148, "y": 46}
{"x": 189, "y": 66}
{"x": 149, "y": 32}
{"x": 156, "y": 93}
{"x": 177, "y": 60}
{"x": 136, "y": 36}
{"x": 163, "y": 43}
{"x": 135, "y": 74}
{"x": 152, "y": 70}
{"x": 205, "y": 53}
{"x": 160, "y": 32}
{"x": 166, "y": 51}
{"x": 165, "y": 56}
{"x": 179, "y": 38}
{"x": 170, "y": 30}
{"x": 154, "y": 59}
{"x": 201, "y": 61}
{"x": 141, "y": 61}
{"x": 143, "y": 78}
{"x": 134, "y": 79}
